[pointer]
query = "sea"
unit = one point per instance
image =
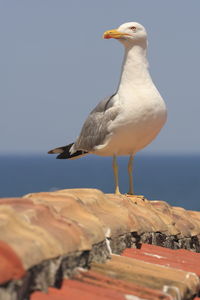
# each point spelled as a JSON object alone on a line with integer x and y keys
{"x": 171, "y": 178}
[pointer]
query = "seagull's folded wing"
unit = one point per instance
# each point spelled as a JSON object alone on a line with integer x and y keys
{"x": 95, "y": 129}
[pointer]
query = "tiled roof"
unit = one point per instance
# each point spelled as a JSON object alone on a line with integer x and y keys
{"x": 136, "y": 276}
{"x": 46, "y": 237}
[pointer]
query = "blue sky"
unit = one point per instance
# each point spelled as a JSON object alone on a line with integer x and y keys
{"x": 55, "y": 67}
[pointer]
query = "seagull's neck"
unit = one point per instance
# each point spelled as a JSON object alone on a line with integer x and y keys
{"x": 134, "y": 69}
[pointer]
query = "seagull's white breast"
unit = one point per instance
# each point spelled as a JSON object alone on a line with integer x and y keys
{"x": 142, "y": 115}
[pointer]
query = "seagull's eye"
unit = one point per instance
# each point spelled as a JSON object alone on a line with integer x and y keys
{"x": 133, "y": 28}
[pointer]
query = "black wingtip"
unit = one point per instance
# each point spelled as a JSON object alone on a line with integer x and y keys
{"x": 67, "y": 155}
{"x": 64, "y": 152}
{"x": 59, "y": 149}
{"x": 50, "y": 152}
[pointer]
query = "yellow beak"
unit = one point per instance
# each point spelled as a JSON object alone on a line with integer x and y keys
{"x": 114, "y": 33}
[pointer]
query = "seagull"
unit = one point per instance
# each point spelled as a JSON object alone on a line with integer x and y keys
{"x": 131, "y": 118}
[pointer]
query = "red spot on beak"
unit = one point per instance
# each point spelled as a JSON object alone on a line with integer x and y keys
{"x": 107, "y": 36}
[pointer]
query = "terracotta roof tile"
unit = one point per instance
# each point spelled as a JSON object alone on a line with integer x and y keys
{"x": 150, "y": 275}
{"x": 125, "y": 287}
{"x": 30, "y": 242}
{"x": 178, "y": 259}
{"x": 99, "y": 206}
{"x": 10, "y": 264}
{"x": 179, "y": 218}
{"x": 187, "y": 226}
{"x": 140, "y": 213}
{"x": 43, "y": 217}
{"x": 42, "y": 228}
{"x": 72, "y": 289}
{"x": 68, "y": 206}
{"x": 93, "y": 285}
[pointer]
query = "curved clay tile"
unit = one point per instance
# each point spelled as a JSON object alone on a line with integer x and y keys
{"x": 10, "y": 264}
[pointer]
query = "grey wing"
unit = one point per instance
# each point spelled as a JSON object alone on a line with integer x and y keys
{"x": 95, "y": 128}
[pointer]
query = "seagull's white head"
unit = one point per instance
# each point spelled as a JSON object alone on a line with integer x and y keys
{"x": 128, "y": 34}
